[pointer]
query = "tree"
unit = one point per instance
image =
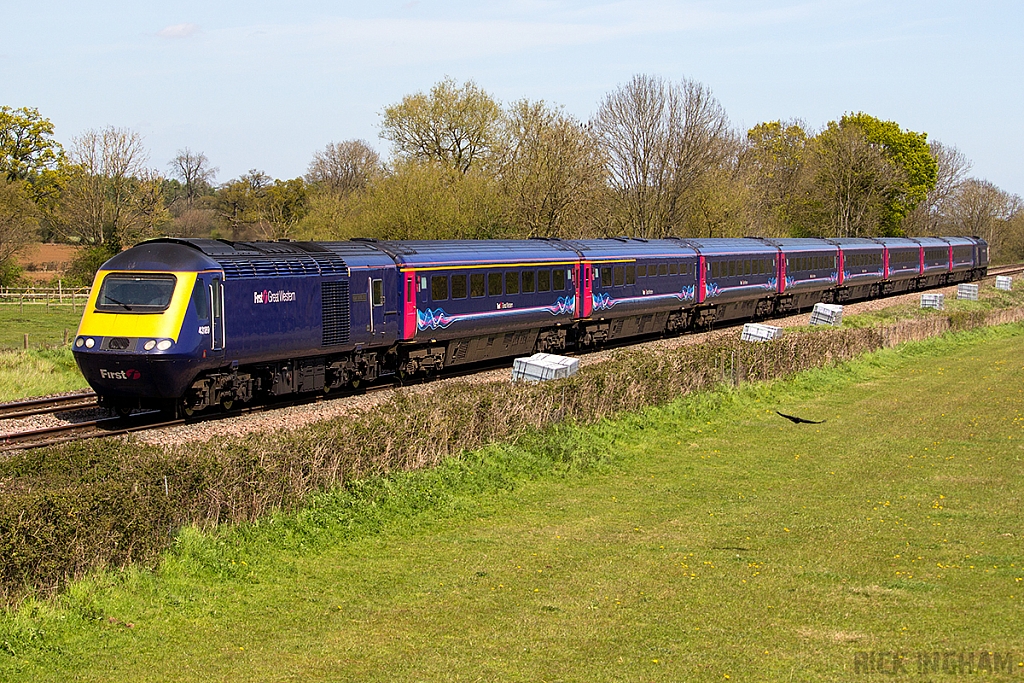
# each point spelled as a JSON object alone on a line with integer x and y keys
{"x": 851, "y": 182}
{"x": 255, "y": 206}
{"x": 456, "y": 126}
{"x": 932, "y": 216}
{"x": 981, "y": 208}
{"x": 773, "y": 164}
{"x": 551, "y": 171}
{"x": 27, "y": 147}
{"x": 344, "y": 167}
{"x": 916, "y": 168}
{"x": 195, "y": 173}
{"x": 661, "y": 141}
{"x": 19, "y": 220}
{"x": 109, "y": 197}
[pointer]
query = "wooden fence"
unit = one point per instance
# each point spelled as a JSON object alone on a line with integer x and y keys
{"x": 73, "y": 297}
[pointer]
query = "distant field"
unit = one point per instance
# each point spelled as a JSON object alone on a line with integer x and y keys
{"x": 708, "y": 540}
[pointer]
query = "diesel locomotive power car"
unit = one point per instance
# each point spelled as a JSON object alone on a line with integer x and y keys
{"x": 188, "y": 324}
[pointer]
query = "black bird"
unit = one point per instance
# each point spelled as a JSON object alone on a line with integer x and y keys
{"x": 799, "y": 420}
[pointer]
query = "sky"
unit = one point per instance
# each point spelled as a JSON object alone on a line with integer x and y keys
{"x": 264, "y": 85}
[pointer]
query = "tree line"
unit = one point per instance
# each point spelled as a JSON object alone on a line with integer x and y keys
{"x": 657, "y": 158}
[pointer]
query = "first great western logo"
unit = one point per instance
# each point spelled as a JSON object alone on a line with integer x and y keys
{"x": 268, "y": 297}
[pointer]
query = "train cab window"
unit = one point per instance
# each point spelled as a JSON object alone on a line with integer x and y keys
{"x": 200, "y": 301}
{"x": 476, "y": 285}
{"x": 529, "y": 281}
{"x": 512, "y": 282}
{"x": 662, "y": 269}
{"x": 494, "y": 284}
{"x": 135, "y": 293}
{"x": 641, "y": 271}
{"x": 439, "y": 287}
{"x": 606, "y": 277}
{"x": 619, "y": 273}
{"x": 557, "y": 280}
{"x": 458, "y": 286}
{"x": 630, "y": 275}
{"x": 377, "y": 292}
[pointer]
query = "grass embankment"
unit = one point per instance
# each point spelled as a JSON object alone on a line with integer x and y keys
{"x": 704, "y": 540}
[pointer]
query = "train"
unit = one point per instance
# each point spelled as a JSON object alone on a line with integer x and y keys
{"x": 193, "y": 324}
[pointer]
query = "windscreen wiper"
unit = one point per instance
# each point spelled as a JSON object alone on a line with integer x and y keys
{"x": 119, "y": 303}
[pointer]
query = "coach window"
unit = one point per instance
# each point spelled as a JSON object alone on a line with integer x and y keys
{"x": 641, "y": 271}
{"x": 543, "y": 280}
{"x": 715, "y": 269}
{"x": 458, "y": 286}
{"x": 512, "y": 282}
{"x": 606, "y": 276}
{"x": 476, "y": 285}
{"x": 529, "y": 279}
{"x": 557, "y": 280}
{"x": 662, "y": 269}
{"x": 439, "y": 287}
{"x": 620, "y": 275}
{"x": 377, "y": 287}
{"x": 630, "y": 275}
{"x": 494, "y": 284}
{"x": 732, "y": 269}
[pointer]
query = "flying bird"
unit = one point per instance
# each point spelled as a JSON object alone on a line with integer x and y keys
{"x": 799, "y": 420}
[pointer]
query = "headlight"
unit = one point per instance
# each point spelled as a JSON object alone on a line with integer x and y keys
{"x": 150, "y": 345}
{"x": 90, "y": 342}
{"x": 79, "y": 342}
{"x": 164, "y": 344}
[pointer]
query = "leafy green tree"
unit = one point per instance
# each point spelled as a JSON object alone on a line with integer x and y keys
{"x": 27, "y": 147}
{"x": 457, "y": 126}
{"x": 253, "y": 206}
{"x": 916, "y": 168}
{"x": 773, "y": 164}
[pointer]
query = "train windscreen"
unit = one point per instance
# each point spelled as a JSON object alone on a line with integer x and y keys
{"x": 122, "y": 292}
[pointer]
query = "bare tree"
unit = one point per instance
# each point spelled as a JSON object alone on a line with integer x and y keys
{"x": 195, "y": 173}
{"x": 551, "y": 171}
{"x": 981, "y": 208}
{"x": 19, "y": 219}
{"x": 344, "y": 167}
{"x": 661, "y": 140}
{"x": 110, "y": 196}
{"x": 932, "y": 216}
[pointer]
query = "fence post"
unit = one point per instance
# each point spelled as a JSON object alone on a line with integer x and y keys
{"x": 26, "y": 341}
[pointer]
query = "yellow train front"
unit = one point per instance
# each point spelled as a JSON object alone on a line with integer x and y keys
{"x": 150, "y": 325}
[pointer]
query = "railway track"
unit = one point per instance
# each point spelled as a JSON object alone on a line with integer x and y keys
{"x": 113, "y": 426}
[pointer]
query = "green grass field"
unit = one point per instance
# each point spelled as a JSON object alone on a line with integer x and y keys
{"x": 44, "y": 326}
{"x": 707, "y": 540}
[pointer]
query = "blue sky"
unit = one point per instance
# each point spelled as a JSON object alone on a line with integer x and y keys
{"x": 264, "y": 85}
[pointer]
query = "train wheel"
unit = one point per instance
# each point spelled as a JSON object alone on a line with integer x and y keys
{"x": 227, "y": 405}
{"x": 354, "y": 383}
{"x": 122, "y": 411}
{"x": 186, "y": 410}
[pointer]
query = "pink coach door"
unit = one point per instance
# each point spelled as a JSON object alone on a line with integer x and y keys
{"x": 409, "y": 306}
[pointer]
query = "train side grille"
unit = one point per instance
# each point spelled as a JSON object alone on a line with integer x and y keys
{"x": 334, "y": 300}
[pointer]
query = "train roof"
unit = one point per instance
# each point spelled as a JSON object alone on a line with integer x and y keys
{"x": 426, "y": 254}
{"x": 161, "y": 255}
{"x": 621, "y": 247}
{"x": 855, "y": 243}
{"x": 791, "y": 245}
{"x": 897, "y": 242}
{"x": 723, "y": 246}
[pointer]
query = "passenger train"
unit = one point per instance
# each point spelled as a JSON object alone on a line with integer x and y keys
{"x": 188, "y": 324}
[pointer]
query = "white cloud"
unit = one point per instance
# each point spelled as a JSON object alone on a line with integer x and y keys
{"x": 178, "y": 31}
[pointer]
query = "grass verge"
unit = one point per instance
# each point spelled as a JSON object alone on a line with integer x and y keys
{"x": 38, "y": 372}
{"x": 701, "y": 540}
{"x": 44, "y": 325}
